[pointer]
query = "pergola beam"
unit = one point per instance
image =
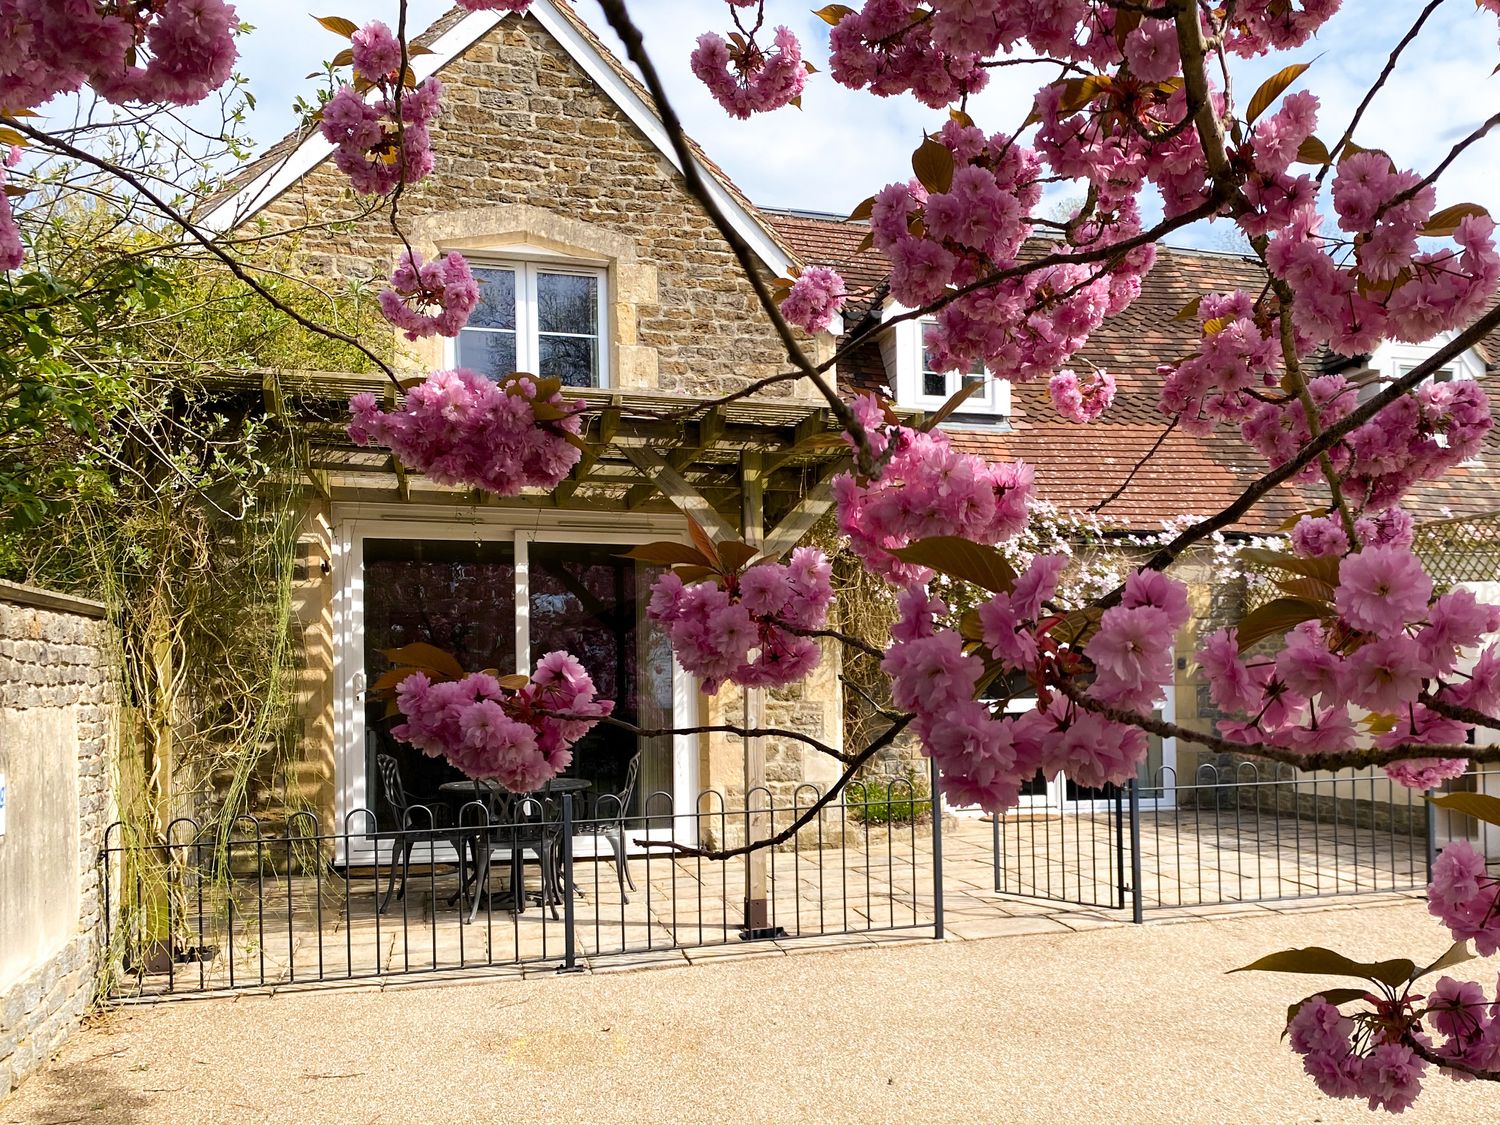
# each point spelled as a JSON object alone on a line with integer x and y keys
{"x": 802, "y": 518}
{"x": 677, "y": 489}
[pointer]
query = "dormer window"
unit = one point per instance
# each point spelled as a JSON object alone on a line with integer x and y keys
{"x": 920, "y": 386}
{"x": 537, "y": 317}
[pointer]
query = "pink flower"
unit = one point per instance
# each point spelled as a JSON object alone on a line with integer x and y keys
{"x": 1391, "y": 1077}
{"x": 1464, "y": 897}
{"x": 430, "y": 299}
{"x": 1425, "y": 773}
{"x": 1385, "y": 675}
{"x": 1132, "y": 653}
{"x": 1153, "y": 588}
{"x": 931, "y": 674}
{"x": 1319, "y": 1026}
{"x": 748, "y": 79}
{"x": 1079, "y": 403}
{"x": 1230, "y": 682}
{"x": 1319, "y": 537}
{"x": 1382, "y": 589}
{"x": 814, "y": 299}
{"x": 376, "y": 51}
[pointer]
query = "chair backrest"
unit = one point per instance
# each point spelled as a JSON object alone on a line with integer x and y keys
{"x": 397, "y": 797}
{"x": 390, "y": 785}
{"x": 611, "y": 808}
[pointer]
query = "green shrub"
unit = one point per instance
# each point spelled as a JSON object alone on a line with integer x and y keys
{"x": 889, "y": 800}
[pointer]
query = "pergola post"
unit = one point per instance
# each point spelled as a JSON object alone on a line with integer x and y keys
{"x": 757, "y": 797}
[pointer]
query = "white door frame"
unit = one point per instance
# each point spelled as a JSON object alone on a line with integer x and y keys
{"x": 354, "y": 523}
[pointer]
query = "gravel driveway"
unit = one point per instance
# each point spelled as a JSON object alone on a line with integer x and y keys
{"x": 1129, "y": 1024}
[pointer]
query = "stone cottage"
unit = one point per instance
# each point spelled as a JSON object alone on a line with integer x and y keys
{"x": 555, "y": 178}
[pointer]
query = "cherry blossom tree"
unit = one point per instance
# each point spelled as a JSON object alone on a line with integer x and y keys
{"x": 1362, "y": 662}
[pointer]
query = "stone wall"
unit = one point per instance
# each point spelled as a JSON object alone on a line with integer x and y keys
{"x": 531, "y": 153}
{"x": 57, "y": 723}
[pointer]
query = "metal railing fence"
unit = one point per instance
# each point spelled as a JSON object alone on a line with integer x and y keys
{"x": 205, "y": 910}
{"x": 1236, "y": 833}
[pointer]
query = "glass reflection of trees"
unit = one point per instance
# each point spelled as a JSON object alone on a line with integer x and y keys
{"x": 459, "y": 596}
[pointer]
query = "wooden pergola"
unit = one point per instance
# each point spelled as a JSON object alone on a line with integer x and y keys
{"x": 645, "y": 453}
{"x": 755, "y": 469}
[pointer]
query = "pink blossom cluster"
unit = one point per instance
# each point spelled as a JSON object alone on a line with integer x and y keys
{"x": 936, "y": 50}
{"x": 815, "y": 298}
{"x": 1029, "y": 326}
{"x": 748, "y": 79}
{"x": 925, "y": 488}
{"x": 376, "y": 145}
{"x": 1383, "y": 643}
{"x": 739, "y": 632}
{"x": 984, "y": 757}
{"x": 1261, "y": 25}
{"x": 1417, "y": 437}
{"x": 1239, "y": 354}
{"x": 430, "y": 298}
{"x": 460, "y": 428}
{"x": 1386, "y": 1072}
{"x": 522, "y": 738}
{"x": 376, "y": 52}
{"x": 172, "y": 51}
{"x": 12, "y": 252}
{"x": 1466, "y": 898}
{"x": 1023, "y": 326}
{"x": 1390, "y": 289}
{"x": 1081, "y": 402}
{"x": 976, "y": 225}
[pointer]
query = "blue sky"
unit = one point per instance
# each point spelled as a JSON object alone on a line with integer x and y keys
{"x": 845, "y": 145}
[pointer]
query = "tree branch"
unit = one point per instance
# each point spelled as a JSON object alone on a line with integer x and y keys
{"x": 635, "y": 48}
{"x": 804, "y": 818}
{"x": 182, "y": 221}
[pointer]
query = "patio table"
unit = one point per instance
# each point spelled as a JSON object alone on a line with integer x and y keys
{"x": 463, "y": 794}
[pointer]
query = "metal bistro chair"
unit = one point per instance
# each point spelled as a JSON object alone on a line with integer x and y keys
{"x": 608, "y": 823}
{"x": 419, "y": 823}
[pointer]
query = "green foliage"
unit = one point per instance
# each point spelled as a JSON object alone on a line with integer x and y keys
{"x": 889, "y": 800}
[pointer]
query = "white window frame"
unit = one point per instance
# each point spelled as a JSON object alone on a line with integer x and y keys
{"x": 352, "y": 525}
{"x": 1055, "y": 799}
{"x": 1391, "y": 360}
{"x": 903, "y": 352}
{"x": 528, "y": 319}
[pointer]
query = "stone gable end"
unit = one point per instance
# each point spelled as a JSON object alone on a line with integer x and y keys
{"x": 531, "y": 151}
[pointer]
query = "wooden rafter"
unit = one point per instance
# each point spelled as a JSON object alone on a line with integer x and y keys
{"x": 676, "y": 488}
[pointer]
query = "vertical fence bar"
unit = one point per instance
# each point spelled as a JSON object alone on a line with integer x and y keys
{"x": 1119, "y": 899}
{"x": 1431, "y": 831}
{"x": 570, "y": 951}
{"x": 1137, "y": 906}
{"x": 937, "y": 853}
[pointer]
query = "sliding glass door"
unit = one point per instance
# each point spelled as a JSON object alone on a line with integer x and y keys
{"x": 588, "y": 600}
{"x": 502, "y": 597}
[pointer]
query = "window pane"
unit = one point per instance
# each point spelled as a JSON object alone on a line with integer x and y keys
{"x": 567, "y": 302}
{"x": 489, "y": 353}
{"x": 497, "y": 299}
{"x": 569, "y": 358}
{"x": 934, "y": 385}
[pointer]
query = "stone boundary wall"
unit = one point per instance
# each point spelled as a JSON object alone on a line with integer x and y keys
{"x": 58, "y": 698}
